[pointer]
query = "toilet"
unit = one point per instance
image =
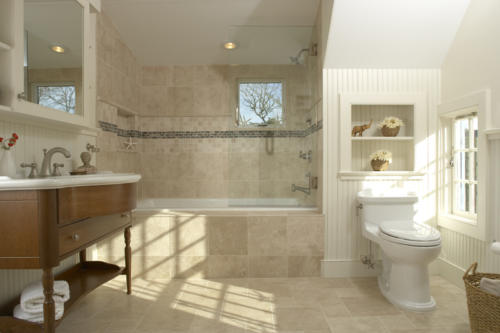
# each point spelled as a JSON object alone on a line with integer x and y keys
{"x": 408, "y": 247}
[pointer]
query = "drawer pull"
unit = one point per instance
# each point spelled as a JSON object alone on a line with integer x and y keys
{"x": 75, "y": 237}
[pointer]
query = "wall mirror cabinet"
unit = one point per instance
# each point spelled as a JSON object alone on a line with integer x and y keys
{"x": 49, "y": 59}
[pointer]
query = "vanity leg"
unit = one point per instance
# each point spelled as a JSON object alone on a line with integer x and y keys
{"x": 128, "y": 260}
{"x": 49, "y": 308}
{"x": 83, "y": 256}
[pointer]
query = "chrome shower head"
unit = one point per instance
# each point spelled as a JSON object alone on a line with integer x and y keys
{"x": 297, "y": 60}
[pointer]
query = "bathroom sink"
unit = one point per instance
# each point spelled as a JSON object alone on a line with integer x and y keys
{"x": 9, "y": 184}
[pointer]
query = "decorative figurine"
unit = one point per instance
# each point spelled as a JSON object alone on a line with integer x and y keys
{"x": 86, "y": 168}
{"x": 360, "y": 129}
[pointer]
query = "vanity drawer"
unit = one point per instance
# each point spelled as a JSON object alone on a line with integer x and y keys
{"x": 84, "y": 233}
{"x": 77, "y": 203}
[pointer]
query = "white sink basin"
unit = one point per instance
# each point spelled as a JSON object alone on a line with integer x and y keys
{"x": 8, "y": 184}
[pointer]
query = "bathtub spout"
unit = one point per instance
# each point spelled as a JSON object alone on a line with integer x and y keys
{"x": 306, "y": 190}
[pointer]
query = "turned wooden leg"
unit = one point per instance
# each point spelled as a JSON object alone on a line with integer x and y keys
{"x": 128, "y": 260}
{"x": 49, "y": 308}
{"x": 83, "y": 256}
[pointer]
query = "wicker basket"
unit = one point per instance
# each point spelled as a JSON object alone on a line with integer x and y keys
{"x": 484, "y": 308}
{"x": 379, "y": 165}
{"x": 386, "y": 131}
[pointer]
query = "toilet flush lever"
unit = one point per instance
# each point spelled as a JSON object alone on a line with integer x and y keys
{"x": 358, "y": 208}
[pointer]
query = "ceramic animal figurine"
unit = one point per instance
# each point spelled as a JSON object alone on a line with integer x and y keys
{"x": 360, "y": 129}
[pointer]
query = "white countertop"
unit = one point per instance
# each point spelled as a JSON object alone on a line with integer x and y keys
{"x": 9, "y": 184}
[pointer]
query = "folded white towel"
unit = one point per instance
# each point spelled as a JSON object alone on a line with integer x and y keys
{"x": 491, "y": 286}
{"x": 32, "y": 297}
{"x": 19, "y": 313}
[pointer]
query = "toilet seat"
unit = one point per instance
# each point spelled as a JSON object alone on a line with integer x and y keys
{"x": 410, "y": 233}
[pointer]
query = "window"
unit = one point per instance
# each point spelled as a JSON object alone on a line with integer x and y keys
{"x": 59, "y": 96}
{"x": 464, "y": 162}
{"x": 260, "y": 103}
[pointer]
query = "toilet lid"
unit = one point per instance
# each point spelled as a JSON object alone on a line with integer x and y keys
{"x": 409, "y": 230}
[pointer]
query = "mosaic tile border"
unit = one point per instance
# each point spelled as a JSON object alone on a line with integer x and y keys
{"x": 109, "y": 127}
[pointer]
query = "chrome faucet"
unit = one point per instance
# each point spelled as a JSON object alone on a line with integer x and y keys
{"x": 47, "y": 158}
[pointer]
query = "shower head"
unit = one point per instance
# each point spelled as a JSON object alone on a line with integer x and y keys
{"x": 297, "y": 60}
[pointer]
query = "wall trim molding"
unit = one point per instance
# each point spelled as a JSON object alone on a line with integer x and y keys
{"x": 348, "y": 268}
{"x": 451, "y": 272}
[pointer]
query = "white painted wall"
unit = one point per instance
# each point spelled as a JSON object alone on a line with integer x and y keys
{"x": 344, "y": 242}
{"x": 392, "y": 33}
{"x": 472, "y": 64}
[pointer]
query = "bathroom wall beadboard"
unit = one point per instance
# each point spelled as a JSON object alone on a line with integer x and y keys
{"x": 344, "y": 242}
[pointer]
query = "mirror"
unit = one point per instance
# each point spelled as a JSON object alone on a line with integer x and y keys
{"x": 53, "y": 59}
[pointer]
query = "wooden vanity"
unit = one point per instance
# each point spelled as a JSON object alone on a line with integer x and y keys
{"x": 40, "y": 228}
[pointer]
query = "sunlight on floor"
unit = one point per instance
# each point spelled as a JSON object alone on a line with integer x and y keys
{"x": 312, "y": 305}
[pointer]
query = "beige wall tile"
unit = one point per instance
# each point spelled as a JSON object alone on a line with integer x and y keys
{"x": 299, "y": 266}
{"x": 227, "y": 266}
{"x": 189, "y": 267}
{"x": 267, "y": 236}
{"x": 183, "y": 101}
{"x": 305, "y": 235}
{"x": 228, "y": 235}
{"x": 157, "y": 76}
{"x": 267, "y": 266}
{"x": 189, "y": 236}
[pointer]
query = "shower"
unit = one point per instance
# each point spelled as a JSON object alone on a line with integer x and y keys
{"x": 296, "y": 60}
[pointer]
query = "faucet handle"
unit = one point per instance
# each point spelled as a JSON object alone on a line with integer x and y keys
{"x": 33, "y": 171}
{"x": 55, "y": 171}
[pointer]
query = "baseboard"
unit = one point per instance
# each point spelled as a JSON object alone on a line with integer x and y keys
{"x": 451, "y": 272}
{"x": 348, "y": 268}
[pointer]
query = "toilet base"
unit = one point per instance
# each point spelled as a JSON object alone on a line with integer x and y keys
{"x": 407, "y": 305}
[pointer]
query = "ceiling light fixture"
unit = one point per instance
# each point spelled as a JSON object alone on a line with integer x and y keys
{"x": 230, "y": 45}
{"x": 58, "y": 48}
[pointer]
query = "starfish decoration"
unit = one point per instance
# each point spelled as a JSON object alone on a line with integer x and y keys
{"x": 129, "y": 144}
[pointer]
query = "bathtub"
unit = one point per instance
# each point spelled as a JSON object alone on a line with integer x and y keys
{"x": 258, "y": 204}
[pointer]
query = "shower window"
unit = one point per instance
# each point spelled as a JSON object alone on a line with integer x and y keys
{"x": 260, "y": 103}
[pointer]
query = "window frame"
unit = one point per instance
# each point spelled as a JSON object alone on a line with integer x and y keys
{"x": 472, "y": 226}
{"x": 454, "y": 180}
{"x": 283, "y": 102}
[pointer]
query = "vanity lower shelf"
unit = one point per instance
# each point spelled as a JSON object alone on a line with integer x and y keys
{"x": 82, "y": 279}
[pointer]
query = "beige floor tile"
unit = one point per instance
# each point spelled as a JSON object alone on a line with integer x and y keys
{"x": 270, "y": 305}
{"x": 300, "y": 319}
{"x": 356, "y": 325}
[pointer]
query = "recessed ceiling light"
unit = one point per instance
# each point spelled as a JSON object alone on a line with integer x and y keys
{"x": 230, "y": 45}
{"x": 58, "y": 48}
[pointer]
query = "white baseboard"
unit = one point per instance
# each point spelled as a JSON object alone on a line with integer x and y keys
{"x": 451, "y": 272}
{"x": 348, "y": 268}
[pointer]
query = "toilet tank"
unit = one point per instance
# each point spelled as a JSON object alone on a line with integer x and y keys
{"x": 388, "y": 205}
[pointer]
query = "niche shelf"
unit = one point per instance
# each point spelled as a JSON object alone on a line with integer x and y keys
{"x": 382, "y": 138}
{"x": 361, "y": 109}
{"x": 4, "y": 47}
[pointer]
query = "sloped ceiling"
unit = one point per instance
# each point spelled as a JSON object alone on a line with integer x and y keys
{"x": 392, "y": 33}
{"x": 165, "y": 32}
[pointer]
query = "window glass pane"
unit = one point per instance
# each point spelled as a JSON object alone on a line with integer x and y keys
{"x": 461, "y": 133}
{"x": 260, "y": 103}
{"x": 474, "y": 165}
{"x": 461, "y": 165}
{"x": 473, "y": 198}
{"x": 57, "y": 97}
{"x": 475, "y": 129}
{"x": 460, "y": 198}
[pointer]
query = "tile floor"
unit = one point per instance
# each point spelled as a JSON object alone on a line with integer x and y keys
{"x": 307, "y": 305}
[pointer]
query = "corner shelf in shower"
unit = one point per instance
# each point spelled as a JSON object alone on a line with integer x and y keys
{"x": 5, "y": 47}
{"x": 5, "y": 108}
{"x": 121, "y": 109}
{"x": 382, "y": 138}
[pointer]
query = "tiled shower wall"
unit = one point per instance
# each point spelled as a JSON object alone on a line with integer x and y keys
{"x": 201, "y": 101}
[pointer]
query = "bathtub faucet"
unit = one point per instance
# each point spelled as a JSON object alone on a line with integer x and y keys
{"x": 306, "y": 190}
